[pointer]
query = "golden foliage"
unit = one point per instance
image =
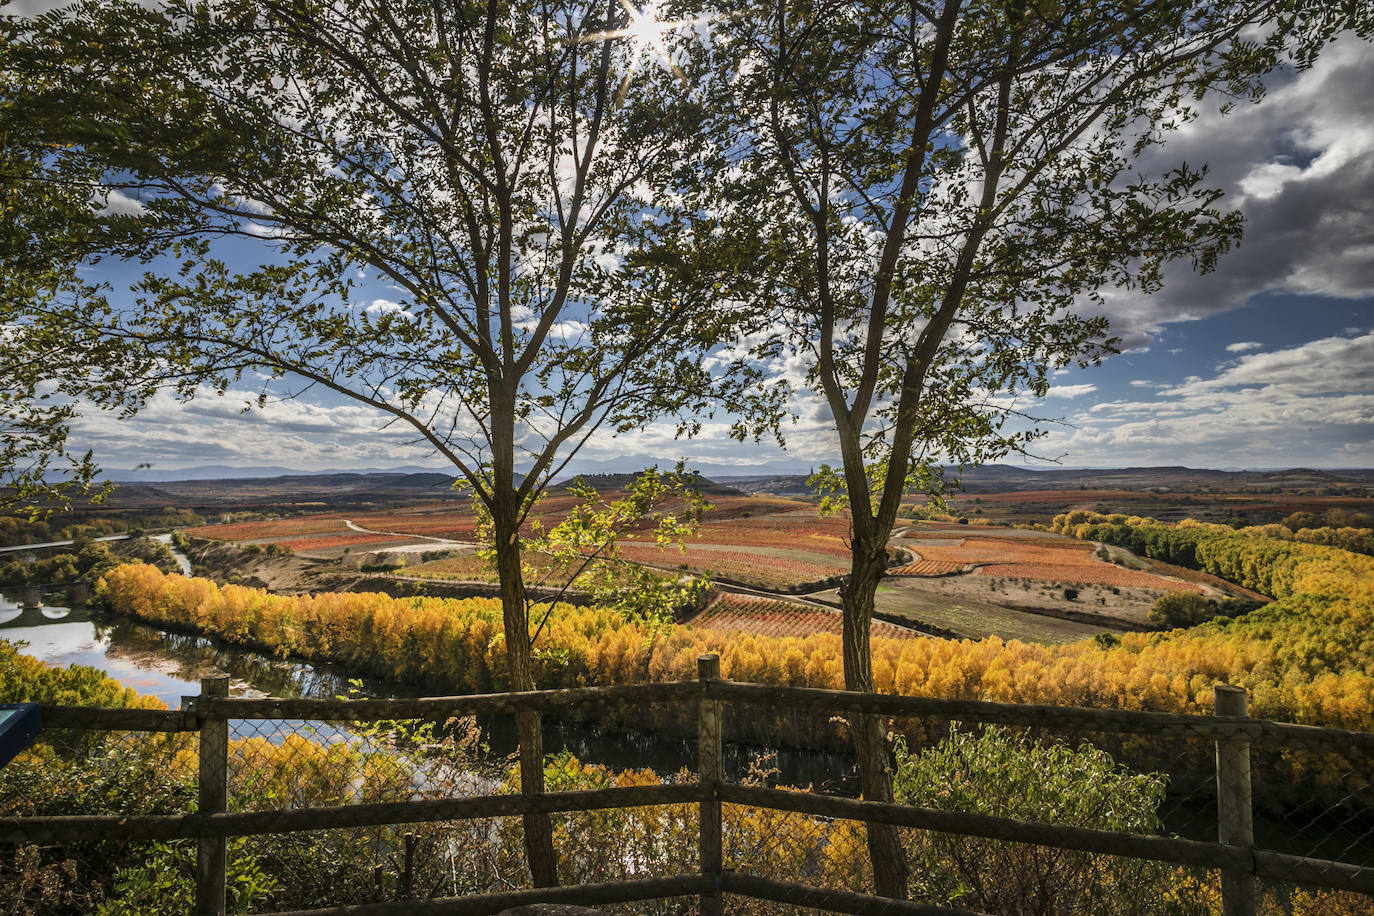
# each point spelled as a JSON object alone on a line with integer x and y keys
{"x": 1308, "y": 657}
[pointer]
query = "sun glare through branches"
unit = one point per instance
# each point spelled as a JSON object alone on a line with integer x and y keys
{"x": 645, "y": 32}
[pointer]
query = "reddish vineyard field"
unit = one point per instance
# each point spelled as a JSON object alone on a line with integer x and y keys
{"x": 1102, "y": 574}
{"x": 755, "y": 568}
{"x": 456, "y": 521}
{"x": 765, "y": 617}
{"x": 927, "y": 568}
{"x": 355, "y": 539}
{"x": 274, "y": 528}
{"x": 790, "y": 531}
{"x": 447, "y": 524}
{"x": 1046, "y": 560}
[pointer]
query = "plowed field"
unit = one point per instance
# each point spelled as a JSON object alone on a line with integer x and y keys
{"x": 927, "y": 568}
{"x": 791, "y": 531}
{"x": 773, "y": 567}
{"x": 765, "y": 617}
{"x": 273, "y": 528}
{"x": 355, "y": 539}
{"x": 1046, "y": 560}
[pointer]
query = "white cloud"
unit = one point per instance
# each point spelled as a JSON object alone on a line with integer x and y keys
{"x": 113, "y": 202}
{"x": 1310, "y": 404}
{"x": 1071, "y": 391}
{"x": 1243, "y": 346}
{"x": 1327, "y": 366}
{"x": 293, "y": 433}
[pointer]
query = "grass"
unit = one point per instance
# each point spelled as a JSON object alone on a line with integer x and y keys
{"x": 977, "y": 619}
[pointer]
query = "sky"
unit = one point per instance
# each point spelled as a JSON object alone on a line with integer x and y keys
{"x": 1266, "y": 362}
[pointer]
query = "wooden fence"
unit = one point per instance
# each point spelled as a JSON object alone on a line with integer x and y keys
{"x": 1240, "y": 862}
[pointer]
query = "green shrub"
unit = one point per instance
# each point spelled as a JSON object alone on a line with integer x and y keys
{"x": 1181, "y": 609}
{"x": 997, "y": 772}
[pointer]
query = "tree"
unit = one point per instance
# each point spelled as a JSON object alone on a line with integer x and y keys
{"x": 38, "y": 474}
{"x": 1181, "y": 609}
{"x": 938, "y": 193}
{"x": 503, "y": 165}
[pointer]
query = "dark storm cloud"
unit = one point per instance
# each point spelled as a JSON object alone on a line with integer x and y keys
{"x": 1300, "y": 167}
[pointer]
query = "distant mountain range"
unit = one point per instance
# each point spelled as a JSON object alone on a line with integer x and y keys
{"x": 752, "y": 473}
{"x": 629, "y": 464}
{"x": 219, "y": 488}
{"x": 227, "y": 472}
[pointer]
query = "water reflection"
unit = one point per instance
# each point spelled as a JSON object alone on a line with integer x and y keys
{"x": 162, "y": 663}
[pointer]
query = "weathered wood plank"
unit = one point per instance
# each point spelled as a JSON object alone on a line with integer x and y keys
{"x": 484, "y": 904}
{"x": 1107, "y": 842}
{"x": 802, "y": 895}
{"x": 1235, "y": 808}
{"x": 1079, "y": 718}
{"x": 213, "y": 791}
{"x": 443, "y": 707}
{"x": 117, "y": 720}
{"x": 163, "y": 827}
{"x": 709, "y": 773}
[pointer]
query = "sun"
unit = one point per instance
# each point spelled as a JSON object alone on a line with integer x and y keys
{"x": 645, "y": 32}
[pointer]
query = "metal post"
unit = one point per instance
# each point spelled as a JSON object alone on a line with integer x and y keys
{"x": 1235, "y": 815}
{"x": 709, "y": 768}
{"x": 214, "y": 797}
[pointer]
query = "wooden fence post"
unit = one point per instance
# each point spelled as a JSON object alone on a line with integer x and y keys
{"x": 214, "y": 797}
{"x": 1235, "y": 814}
{"x": 408, "y": 869}
{"x": 709, "y": 773}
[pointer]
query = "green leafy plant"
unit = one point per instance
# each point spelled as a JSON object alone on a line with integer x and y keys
{"x": 998, "y": 772}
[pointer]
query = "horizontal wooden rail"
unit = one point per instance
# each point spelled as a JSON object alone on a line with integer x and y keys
{"x": 1162, "y": 849}
{"x": 1077, "y": 717}
{"x": 440, "y": 707}
{"x": 1107, "y": 842}
{"x": 482, "y": 904}
{"x": 112, "y": 719}
{"x": 1324, "y": 872}
{"x": 695, "y": 698}
{"x": 292, "y": 820}
{"x": 804, "y": 895}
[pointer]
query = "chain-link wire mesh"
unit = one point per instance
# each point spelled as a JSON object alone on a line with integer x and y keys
{"x": 1158, "y": 781}
{"x": 1310, "y": 798}
{"x": 69, "y": 772}
{"x": 1314, "y": 799}
{"x": 279, "y": 765}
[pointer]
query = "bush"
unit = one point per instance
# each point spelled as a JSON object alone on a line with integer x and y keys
{"x": 1000, "y": 773}
{"x": 1181, "y": 609}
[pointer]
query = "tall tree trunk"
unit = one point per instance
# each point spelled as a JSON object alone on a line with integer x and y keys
{"x": 515, "y": 616}
{"x": 890, "y": 870}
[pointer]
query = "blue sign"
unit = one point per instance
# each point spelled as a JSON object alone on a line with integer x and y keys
{"x": 20, "y": 723}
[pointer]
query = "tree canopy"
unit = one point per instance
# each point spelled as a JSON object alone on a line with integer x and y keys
{"x": 942, "y": 194}
{"x": 503, "y": 170}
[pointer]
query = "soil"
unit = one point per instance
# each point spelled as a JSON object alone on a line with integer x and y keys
{"x": 297, "y": 574}
{"x": 294, "y": 574}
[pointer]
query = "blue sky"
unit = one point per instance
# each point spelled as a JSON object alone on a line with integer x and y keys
{"x": 1267, "y": 362}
